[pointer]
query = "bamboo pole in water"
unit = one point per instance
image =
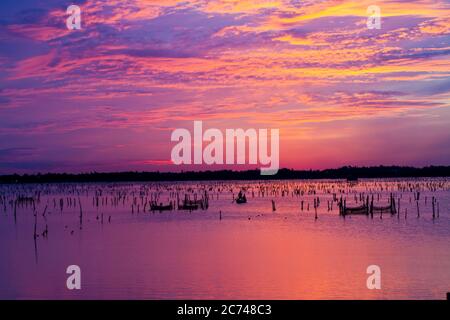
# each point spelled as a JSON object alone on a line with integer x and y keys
{"x": 81, "y": 214}
{"x": 15, "y": 211}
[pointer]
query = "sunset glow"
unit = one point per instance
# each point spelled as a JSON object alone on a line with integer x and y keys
{"x": 108, "y": 96}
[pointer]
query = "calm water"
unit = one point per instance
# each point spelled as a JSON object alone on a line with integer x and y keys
{"x": 253, "y": 252}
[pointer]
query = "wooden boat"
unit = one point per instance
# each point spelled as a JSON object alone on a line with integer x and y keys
{"x": 366, "y": 208}
{"x": 161, "y": 207}
{"x": 390, "y": 208}
{"x": 363, "y": 210}
{"x": 199, "y": 203}
{"x": 241, "y": 198}
{"x": 195, "y": 204}
{"x": 188, "y": 206}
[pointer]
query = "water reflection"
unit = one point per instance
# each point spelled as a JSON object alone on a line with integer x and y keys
{"x": 215, "y": 248}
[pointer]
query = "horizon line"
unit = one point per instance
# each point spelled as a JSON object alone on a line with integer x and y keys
{"x": 344, "y": 172}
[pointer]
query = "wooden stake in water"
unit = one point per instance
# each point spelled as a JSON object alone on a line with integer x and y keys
{"x": 316, "y": 204}
{"x": 418, "y": 212}
{"x": 433, "y": 204}
{"x": 81, "y": 214}
{"x": 15, "y": 209}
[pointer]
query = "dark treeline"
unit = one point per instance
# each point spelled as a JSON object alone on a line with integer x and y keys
{"x": 341, "y": 173}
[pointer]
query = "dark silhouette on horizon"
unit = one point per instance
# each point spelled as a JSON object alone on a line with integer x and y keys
{"x": 347, "y": 172}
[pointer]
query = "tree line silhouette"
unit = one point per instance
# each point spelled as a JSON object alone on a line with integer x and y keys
{"x": 347, "y": 172}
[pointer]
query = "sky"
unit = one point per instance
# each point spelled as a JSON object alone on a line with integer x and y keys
{"x": 107, "y": 97}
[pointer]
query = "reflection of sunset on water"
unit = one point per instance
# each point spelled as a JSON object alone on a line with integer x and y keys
{"x": 128, "y": 248}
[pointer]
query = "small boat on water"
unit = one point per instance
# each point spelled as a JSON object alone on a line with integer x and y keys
{"x": 386, "y": 209}
{"x": 241, "y": 200}
{"x": 367, "y": 208}
{"x": 188, "y": 206}
{"x": 161, "y": 207}
{"x": 195, "y": 204}
{"x": 363, "y": 210}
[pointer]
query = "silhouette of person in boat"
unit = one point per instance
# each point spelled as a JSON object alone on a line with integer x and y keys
{"x": 241, "y": 198}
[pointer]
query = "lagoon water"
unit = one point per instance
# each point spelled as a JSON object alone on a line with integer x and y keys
{"x": 253, "y": 252}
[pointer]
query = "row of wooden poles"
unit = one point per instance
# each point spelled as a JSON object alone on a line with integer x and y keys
{"x": 151, "y": 202}
{"x": 393, "y": 208}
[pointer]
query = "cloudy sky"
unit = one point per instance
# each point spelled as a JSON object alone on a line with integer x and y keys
{"x": 108, "y": 96}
